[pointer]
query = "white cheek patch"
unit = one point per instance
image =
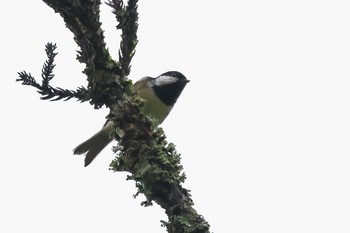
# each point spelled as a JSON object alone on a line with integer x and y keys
{"x": 164, "y": 80}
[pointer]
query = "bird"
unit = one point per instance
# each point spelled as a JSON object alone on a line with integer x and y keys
{"x": 160, "y": 95}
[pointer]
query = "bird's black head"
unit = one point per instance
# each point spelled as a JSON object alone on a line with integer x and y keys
{"x": 168, "y": 86}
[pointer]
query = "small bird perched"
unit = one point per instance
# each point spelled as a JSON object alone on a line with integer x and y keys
{"x": 160, "y": 95}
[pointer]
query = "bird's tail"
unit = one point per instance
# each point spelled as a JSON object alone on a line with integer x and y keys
{"x": 94, "y": 145}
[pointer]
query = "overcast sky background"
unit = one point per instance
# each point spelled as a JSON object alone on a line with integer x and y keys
{"x": 263, "y": 127}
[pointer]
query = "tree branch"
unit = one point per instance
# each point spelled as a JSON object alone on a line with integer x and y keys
{"x": 82, "y": 17}
{"x": 127, "y": 18}
{"x": 45, "y": 89}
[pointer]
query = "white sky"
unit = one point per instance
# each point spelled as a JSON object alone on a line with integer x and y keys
{"x": 263, "y": 127}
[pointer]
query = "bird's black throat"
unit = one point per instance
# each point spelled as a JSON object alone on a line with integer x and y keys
{"x": 169, "y": 93}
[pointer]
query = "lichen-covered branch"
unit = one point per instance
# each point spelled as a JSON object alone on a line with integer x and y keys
{"x": 82, "y": 17}
{"x": 127, "y": 18}
{"x": 153, "y": 163}
{"x": 155, "y": 166}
